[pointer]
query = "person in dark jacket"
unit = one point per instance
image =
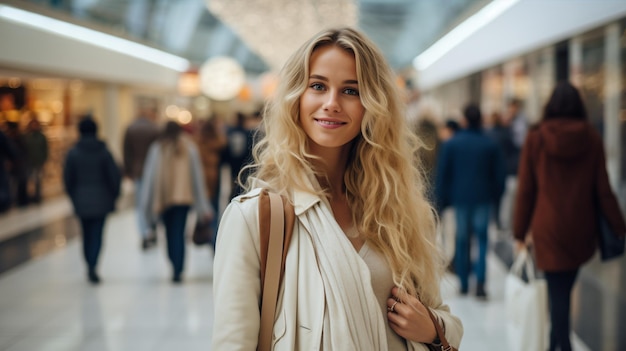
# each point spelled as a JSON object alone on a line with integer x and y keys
{"x": 238, "y": 153}
{"x": 502, "y": 134}
{"x": 18, "y": 170}
{"x": 36, "y": 145}
{"x": 92, "y": 181}
{"x": 562, "y": 174}
{"x": 470, "y": 175}
{"x": 7, "y": 153}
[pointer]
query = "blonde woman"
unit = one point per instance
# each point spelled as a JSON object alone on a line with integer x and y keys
{"x": 362, "y": 266}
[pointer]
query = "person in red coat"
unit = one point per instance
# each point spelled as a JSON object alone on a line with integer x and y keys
{"x": 562, "y": 174}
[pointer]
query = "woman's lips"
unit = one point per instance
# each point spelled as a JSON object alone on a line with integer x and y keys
{"x": 329, "y": 124}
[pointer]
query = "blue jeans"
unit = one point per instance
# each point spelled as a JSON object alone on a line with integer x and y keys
{"x": 471, "y": 219}
{"x": 92, "y": 239}
{"x": 175, "y": 219}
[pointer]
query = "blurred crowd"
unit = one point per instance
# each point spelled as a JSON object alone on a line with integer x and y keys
{"x": 23, "y": 153}
{"x": 176, "y": 169}
{"x": 544, "y": 187}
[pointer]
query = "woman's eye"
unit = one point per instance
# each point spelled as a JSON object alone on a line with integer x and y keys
{"x": 351, "y": 91}
{"x": 317, "y": 86}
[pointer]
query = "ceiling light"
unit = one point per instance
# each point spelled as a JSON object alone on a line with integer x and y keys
{"x": 461, "y": 32}
{"x": 221, "y": 78}
{"x": 95, "y": 38}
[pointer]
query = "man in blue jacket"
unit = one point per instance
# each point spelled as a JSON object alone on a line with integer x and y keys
{"x": 470, "y": 175}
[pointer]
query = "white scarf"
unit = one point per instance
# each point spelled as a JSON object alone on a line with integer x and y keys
{"x": 352, "y": 318}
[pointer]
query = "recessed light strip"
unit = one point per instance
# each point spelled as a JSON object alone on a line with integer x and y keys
{"x": 461, "y": 32}
{"x": 95, "y": 38}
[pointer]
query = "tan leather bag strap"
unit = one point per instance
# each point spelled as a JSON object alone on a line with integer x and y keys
{"x": 445, "y": 346}
{"x": 272, "y": 273}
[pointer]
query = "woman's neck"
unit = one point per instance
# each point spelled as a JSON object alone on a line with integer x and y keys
{"x": 331, "y": 169}
{"x": 331, "y": 166}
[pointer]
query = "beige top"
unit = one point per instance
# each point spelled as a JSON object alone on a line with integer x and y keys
{"x": 382, "y": 283}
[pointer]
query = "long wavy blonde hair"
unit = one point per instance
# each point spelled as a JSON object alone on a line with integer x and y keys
{"x": 384, "y": 186}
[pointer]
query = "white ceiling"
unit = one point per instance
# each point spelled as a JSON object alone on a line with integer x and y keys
{"x": 525, "y": 26}
{"x": 260, "y": 34}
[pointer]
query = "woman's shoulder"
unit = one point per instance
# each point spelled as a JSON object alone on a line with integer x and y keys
{"x": 247, "y": 203}
{"x": 248, "y": 197}
{"x": 241, "y": 217}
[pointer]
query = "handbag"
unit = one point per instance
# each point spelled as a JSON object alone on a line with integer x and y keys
{"x": 526, "y": 304}
{"x": 276, "y": 221}
{"x": 202, "y": 233}
{"x": 611, "y": 246}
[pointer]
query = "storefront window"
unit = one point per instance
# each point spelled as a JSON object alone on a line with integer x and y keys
{"x": 592, "y": 86}
{"x": 541, "y": 66}
{"x": 492, "y": 93}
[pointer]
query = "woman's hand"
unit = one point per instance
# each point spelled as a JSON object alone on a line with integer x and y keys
{"x": 409, "y": 318}
{"x": 523, "y": 245}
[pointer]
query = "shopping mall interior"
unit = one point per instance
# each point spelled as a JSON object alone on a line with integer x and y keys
{"x": 195, "y": 61}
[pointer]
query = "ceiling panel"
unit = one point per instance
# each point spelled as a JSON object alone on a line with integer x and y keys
{"x": 260, "y": 34}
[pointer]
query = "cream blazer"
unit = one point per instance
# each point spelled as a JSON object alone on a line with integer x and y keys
{"x": 301, "y": 301}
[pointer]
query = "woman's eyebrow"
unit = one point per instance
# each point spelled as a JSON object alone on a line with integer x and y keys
{"x": 317, "y": 76}
{"x": 349, "y": 81}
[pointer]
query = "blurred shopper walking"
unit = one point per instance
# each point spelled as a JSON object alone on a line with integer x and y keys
{"x": 446, "y": 216}
{"x": 449, "y": 129}
{"x": 516, "y": 124}
{"x": 36, "y": 145}
{"x": 172, "y": 182}
{"x": 470, "y": 175}
{"x": 7, "y": 153}
{"x": 211, "y": 143}
{"x": 502, "y": 134}
{"x": 92, "y": 181}
{"x": 137, "y": 139}
{"x": 18, "y": 168}
{"x": 562, "y": 175}
{"x": 238, "y": 152}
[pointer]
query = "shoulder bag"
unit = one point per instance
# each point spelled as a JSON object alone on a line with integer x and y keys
{"x": 611, "y": 246}
{"x": 443, "y": 344}
{"x": 276, "y": 221}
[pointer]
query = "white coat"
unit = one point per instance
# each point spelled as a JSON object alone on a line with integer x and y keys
{"x": 301, "y": 302}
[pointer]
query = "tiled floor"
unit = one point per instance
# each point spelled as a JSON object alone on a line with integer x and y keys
{"x": 46, "y": 304}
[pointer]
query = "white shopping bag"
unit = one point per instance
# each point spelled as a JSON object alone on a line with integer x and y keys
{"x": 526, "y": 306}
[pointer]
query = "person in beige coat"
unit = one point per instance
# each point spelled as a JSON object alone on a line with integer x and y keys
{"x": 172, "y": 183}
{"x": 362, "y": 266}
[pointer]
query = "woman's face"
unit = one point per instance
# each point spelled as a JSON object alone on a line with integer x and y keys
{"x": 330, "y": 108}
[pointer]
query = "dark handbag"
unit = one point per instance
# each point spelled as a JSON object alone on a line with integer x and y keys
{"x": 611, "y": 246}
{"x": 202, "y": 233}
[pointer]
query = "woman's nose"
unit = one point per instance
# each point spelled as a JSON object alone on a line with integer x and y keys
{"x": 332, "y": 103}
